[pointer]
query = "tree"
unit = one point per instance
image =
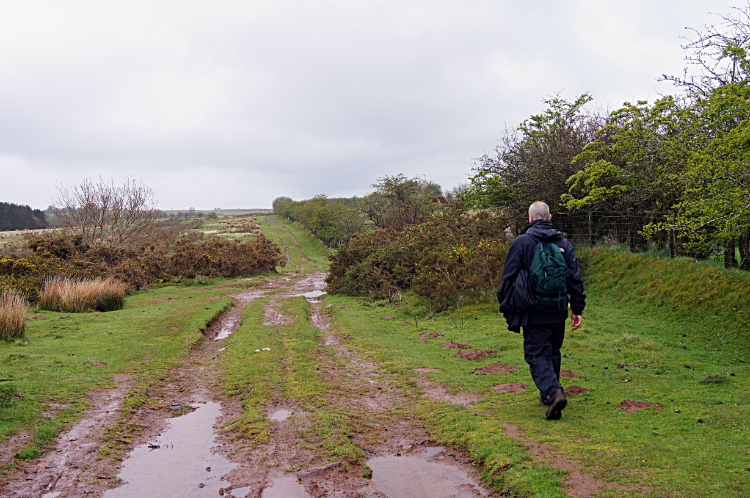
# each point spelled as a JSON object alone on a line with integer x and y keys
{"x": 106, "y": 214}
{"x": 635, "y": 160}
{"x": 18, "y": 217}
{"x": 534, "y": 161}
{"x": 720, "y": 55}
{"x": 715, "y": 206}
{"x": 399, "y": 201}
{"x": 282, "y": 206}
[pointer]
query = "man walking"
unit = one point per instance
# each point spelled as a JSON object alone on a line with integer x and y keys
{"x": 541, "y": 260}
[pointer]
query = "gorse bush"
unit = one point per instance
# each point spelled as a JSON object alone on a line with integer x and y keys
{"x": 225, "y": 258}
{"x": 172, "y": 253}
{"x": 453, "y": 255}
{"x": 13, "y": 315}
{"x": 79, "y": 295}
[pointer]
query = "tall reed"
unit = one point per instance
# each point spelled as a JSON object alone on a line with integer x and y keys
{"x": 80, "y": 295}
{"x": 13, "y": 315}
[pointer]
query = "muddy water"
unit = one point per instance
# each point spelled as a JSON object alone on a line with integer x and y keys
{"x": 285, "y": 487}
{"x": 230, "y": 322}
{"x": 280, "y": 415}
{"x": 415, "y": 477}
{"x": 183, "y": 465}
{"x": 311, "y": 294}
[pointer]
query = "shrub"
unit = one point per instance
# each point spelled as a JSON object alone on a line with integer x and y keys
{"x": 225, "y": 258}
{"x": 77, "y": 296}
{"x": 13, "y": 311}
{"x": 454, "y": 254}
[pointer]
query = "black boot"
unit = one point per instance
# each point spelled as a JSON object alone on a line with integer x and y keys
{"x": 557, "y": 404}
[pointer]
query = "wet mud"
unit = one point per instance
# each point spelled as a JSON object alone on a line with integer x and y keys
{"x": 230, "y": 322}
{"x": 180, "y": 447}
{"x": 179, "y": 462}
{"x": 421, "y": 475}
{"x": 75, "y": 456}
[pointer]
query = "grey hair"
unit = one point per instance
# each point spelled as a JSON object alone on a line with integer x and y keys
{"x": 539, "y": 211}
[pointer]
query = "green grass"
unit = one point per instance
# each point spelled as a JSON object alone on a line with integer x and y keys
{"x": 54, "y": 364}
{"x": 621, "y": 326}
{"x": 313, "y": 249}
{"x": 690, "y": 291}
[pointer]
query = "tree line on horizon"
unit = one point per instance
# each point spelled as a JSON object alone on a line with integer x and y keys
{"x": 20, "y": 217}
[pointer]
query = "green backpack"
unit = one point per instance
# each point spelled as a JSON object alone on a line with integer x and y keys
{"x": 549, "y": 278}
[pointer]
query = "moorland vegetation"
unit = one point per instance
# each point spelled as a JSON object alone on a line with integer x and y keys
{"x": 113, "y": 241}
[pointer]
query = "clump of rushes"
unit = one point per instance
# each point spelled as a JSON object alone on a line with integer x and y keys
{"x": 13, "y": 315}
{"x": 80, "y": 295}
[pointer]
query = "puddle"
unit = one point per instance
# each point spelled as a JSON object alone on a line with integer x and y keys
{"x": 285, "y": 487}
{"x": 230, "y": 322}
{"x": 280, "y": 415}
{"x": 414, "y": 477}
{"x": 53, "y": 494}
{"x": 241, "y": 492}
{"x": 311, "y": 294}
{"x": 183, "y": 465}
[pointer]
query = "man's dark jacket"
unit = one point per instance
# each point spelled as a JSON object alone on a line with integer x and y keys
{"x": 520, "y": 255}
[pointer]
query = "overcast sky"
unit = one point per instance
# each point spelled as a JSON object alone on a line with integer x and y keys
{"x": 233, "y": 103}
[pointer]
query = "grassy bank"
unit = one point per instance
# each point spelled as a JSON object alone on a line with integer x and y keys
{"x": 64, "y": 356}
{"x": 628, "y": 348}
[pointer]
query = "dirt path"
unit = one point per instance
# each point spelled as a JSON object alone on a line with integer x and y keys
{"x": 271, "y": 222}
{"x": 183, "y": 408}
{"x": 301, "y": 252}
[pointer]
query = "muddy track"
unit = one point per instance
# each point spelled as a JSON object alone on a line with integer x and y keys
{"x": 301, "y": 252}
{"x": 286, "y": 250}
{"x": 280, "y": 467}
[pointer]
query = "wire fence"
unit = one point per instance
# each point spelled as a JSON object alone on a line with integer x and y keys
{"x": 626, "y": 232}
{"x": 596, "y": 228}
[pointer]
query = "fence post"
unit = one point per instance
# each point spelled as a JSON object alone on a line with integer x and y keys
{"x": 631, "y": 241}
{"x": 671, "y": 241}
{"x": 591, "y": 229}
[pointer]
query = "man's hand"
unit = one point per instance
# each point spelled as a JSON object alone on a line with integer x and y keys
{"x": 575, "y": 321}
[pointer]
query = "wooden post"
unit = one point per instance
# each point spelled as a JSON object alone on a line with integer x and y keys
{"x": 631, "y": 241}
{"x": 670, "y": 241}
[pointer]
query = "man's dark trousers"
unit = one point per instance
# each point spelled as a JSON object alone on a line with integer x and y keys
{"x": 541, "y": 348}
